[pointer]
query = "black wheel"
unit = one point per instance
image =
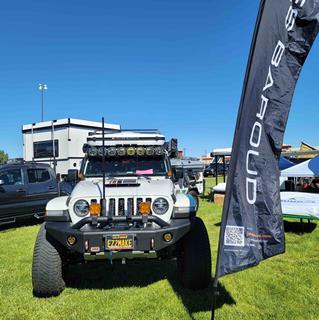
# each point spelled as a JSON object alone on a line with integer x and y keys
{"x": 194, "y": 194}
{"x": 194, "y": 261}
{"x": 47, "y": 277}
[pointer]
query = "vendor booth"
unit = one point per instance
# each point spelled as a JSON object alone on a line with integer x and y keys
{"x": 306, "y": 169}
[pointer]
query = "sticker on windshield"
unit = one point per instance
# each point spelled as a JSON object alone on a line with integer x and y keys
{"x": 147, "y": 171}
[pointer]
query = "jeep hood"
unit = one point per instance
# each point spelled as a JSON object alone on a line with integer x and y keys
{"x": 126, "y": 187}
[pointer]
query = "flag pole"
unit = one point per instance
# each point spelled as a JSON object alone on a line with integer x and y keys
{"x": 234, "y": 155}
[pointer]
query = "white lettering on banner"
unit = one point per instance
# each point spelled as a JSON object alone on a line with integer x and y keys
{"x": 291, "y": 18}
{"x": 251, "y": 196}
{"x": 279, "y": 50}
{"x": 257, "y": 129}
{"x": 263, "y": 107}
{"x": 254, "y": 132}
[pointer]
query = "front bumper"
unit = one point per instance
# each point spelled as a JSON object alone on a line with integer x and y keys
{"x": 91, "y": 238}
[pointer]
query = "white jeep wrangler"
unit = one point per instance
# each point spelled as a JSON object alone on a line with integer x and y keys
{"x": 125, "y": 206}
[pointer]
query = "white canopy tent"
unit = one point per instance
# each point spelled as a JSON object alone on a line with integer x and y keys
{"x": 307, "y": 169}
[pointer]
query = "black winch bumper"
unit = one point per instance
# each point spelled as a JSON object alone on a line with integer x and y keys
{"x": 91, "y": 234}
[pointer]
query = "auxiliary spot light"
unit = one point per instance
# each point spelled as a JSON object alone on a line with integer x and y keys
{"x": 130, "y": 151}
{"x": 140, "y": 151}
{"x": 149, "y": 151}
{"x": 121, "y": 151}
{"x": 144, "y": 208}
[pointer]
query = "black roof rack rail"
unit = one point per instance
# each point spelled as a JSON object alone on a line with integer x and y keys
{"x": 97, "y": 131}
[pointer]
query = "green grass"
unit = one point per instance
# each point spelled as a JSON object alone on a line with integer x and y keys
{"x": 284, "y": 287}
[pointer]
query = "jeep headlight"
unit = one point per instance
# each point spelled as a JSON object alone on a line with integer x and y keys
{"x": 160, "y": 206}
{"x": 81, "y": 208}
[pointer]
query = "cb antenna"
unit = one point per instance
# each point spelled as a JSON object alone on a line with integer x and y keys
{"x": 103, "y": 204}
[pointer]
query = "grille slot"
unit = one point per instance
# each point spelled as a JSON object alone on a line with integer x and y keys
{"x": 138, "y": 201}
{"x": 130, "y": 207}
{"x": 112, "y": 207}
{"x": 121, "y": 207}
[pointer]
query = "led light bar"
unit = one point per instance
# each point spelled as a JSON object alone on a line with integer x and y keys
{"x": 122, "y": 151}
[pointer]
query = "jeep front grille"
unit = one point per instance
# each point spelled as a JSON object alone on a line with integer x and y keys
{"x": 124, "y": 206}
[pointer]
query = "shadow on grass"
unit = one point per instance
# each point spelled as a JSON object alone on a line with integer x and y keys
{"x": 102, "y": 275}
{"x": 206, "y": 197}
{"x": 23, "y": 222}
{"x": 298, "y": 227}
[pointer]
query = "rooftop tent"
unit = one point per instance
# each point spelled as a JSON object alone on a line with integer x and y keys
{"x": 285, "y": 163}
{"x": 307, "y": 169}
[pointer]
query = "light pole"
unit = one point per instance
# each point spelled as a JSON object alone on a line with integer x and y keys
{"x": 42, "y": 87}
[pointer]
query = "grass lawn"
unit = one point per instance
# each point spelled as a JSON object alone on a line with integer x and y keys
{"x": 284, "y": 287}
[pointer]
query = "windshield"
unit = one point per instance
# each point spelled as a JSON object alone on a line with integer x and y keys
{"x": 126, "y": 166}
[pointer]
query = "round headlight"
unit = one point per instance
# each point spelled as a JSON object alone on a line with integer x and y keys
{"x": 160, "y": 206}
{"x": 81, "y": 208}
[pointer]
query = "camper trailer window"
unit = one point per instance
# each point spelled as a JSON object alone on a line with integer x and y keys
{"x": 38, "y": 175}
{"x": 44, "y": 149}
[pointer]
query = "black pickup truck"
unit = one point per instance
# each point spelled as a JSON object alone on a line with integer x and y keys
{"x": 25, "y": 189}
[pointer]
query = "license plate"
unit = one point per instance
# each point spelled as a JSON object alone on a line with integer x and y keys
{"x": 119, "y": 242}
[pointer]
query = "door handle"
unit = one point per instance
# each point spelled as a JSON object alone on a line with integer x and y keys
{"x": 51, "y": 188}
{"x": 20, "y": 190}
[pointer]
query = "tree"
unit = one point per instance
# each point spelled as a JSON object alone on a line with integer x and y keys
{"x": 3, "y": 156}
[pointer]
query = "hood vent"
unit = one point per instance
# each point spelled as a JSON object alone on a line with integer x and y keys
{"x": 115, "y": 183}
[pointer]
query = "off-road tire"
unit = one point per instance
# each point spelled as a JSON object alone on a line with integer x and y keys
{"x": 47, "y": 277}
{"x": 194, "y": 194}
{"x": 194, "y": 260}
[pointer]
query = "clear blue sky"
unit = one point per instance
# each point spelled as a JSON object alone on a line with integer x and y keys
{"x": 176, "y": 65}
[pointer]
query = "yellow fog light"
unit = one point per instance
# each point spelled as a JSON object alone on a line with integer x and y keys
{"x": 167, "y": 237}
{"x": 94, "y": 208}
{"x": 71, "y": 240}
{"x": 144, "y": 208}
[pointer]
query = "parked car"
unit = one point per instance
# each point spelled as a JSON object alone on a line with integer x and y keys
{"x": 188, "y": 177}
{"x": 25, "y": 189}
{"x": 211, "y": 169}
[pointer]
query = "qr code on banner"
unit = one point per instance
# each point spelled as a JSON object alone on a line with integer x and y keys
{"x": 234, "y": 236}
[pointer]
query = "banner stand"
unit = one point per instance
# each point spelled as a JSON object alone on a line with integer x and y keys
{"x": 215, "y": 295}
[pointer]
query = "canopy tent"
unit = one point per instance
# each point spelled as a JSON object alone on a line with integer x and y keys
{"x": 307, "y": 169}
{"x": 285, "y": 163}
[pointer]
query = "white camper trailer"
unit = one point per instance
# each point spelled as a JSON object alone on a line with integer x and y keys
{"x": 59, "y": 142}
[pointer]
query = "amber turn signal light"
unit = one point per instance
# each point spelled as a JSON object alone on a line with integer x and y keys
{"x": 95, "y": 208}
{"x": 144, "y": 208}
{"x": 169, "y": 173}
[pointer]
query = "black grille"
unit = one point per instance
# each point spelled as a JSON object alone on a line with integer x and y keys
{"x": 125, "y": 206}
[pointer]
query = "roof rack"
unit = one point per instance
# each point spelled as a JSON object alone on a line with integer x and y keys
{"x": 99, "y": 131}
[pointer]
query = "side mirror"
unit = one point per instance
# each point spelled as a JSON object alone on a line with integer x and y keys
{"x": 178, "y": 174}
{"x": 1, "y": 182}
{"x": 73, "y": 175}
